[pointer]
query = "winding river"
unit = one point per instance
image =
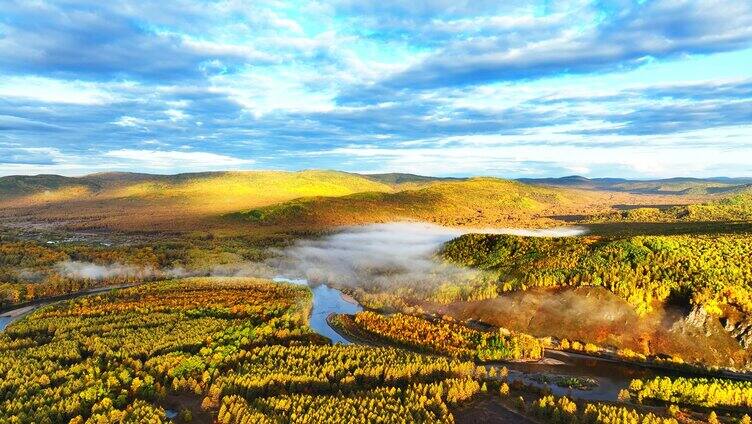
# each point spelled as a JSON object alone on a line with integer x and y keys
{"x": 611, "y": 376}
{"x": 327, "y": 301}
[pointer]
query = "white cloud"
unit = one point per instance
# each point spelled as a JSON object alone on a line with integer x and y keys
{"x": 176, "y": 115}
{"x": 129, "y": 121}
{"x": 164, "y": 159}
{"x": 49, "y": 90}
{"x": 210, "y": 48}
{"x": 49, "y": 160}
{"x": 723, "y": 151}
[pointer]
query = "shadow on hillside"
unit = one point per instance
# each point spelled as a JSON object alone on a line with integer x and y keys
{"x": 667, "y": 228}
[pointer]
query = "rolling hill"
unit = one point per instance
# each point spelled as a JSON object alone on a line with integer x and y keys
{"x": 407, "y": 180}
{"x": 262, "y": 186}
{"x": 142, "y": 201}
{"x": 248, "y": 200}
{"x": 471, "y": 202}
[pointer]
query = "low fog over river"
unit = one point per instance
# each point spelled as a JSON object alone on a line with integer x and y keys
{"x": 386, "y": 254}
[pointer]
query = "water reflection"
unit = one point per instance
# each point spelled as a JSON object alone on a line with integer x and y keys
{"x": 4, "y": 321}
{"x": 327, "y": 301}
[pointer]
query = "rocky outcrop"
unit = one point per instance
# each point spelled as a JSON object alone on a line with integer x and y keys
{"x": 736, "y": 324}
{"x": 698, "y": 320}
{"x": 741, "y": 330}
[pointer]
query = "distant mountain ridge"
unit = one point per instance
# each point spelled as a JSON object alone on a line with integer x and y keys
{"x": 402, "y": 178}
{"x": 676, "y": 185}
{"x": 20, "y": 185}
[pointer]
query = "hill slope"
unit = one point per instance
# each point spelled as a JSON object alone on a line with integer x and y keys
{"x": 472, "y": 202}
{"x": 407, "y": 180}
{"x": 17, "y": 186}
{"x": 139, "y": 200}
{"x": 306, "y": 199}
{"x": 707, "y": 275}
{"x": 737, "y": 207}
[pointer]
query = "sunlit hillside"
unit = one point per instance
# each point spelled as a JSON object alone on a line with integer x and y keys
{"x": 106, "y": 199}
{"x": 736, "y": 207}
{"x": 476, "y": 201}
{"x": 306, "y": 199}
{"x": 648, "y": 277}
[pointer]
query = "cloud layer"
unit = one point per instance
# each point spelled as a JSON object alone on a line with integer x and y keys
{"x": 520, "y": 88}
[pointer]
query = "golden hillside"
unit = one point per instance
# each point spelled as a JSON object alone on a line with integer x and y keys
{"x": 472, "y": 202}
{"x": 139, "y": 201}
{"x": 313, "y": 199}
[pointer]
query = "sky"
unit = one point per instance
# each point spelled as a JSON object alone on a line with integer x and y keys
{"x": 620, "y": 88}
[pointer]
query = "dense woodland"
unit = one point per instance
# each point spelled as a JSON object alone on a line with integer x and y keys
{"x": 232, "y": 350}
{"x": 712, "y": 272}
{"x": 117, "y": 358}
{"x": 564, "y": 411}
{"x": 105, "y": 355}
{"x": 449, "y": 338}
{"x": 704, "y": 392}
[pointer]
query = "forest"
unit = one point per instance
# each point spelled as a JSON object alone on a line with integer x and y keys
{"x": 695, "y": 391}
{"x": 122, "y": 356}
{"x": 239, "y": 350}
{"x": 710, "y": 272}
{"x": 446, "y": 337}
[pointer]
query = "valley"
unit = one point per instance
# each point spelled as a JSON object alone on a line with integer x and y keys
{"x": 300, "y": 297}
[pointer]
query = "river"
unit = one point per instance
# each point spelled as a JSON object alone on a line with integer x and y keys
{"x": 14, "y": 315}
{"x": 4, "y": 321}
{"x": 611, "y": 376}
{"x": 327, "y": 301}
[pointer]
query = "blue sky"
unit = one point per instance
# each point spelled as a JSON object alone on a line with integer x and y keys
{"x": 642, "y": 89}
